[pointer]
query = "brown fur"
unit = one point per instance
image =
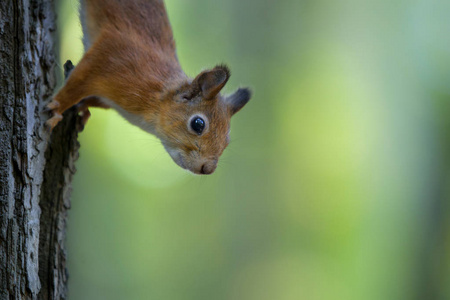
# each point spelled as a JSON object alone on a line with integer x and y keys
{"x": 132, "y": 65}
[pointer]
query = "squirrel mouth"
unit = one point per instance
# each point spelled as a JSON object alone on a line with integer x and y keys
{"x": 179, "y": 161}
{"x": 176, "y": 157}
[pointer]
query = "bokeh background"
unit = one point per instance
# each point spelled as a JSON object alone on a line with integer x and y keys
{"x": 335, "y": 186}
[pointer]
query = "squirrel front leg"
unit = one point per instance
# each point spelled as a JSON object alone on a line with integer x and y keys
{"x": 78, "y": 86}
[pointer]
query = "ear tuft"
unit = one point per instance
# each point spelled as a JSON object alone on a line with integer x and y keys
{"x": 212, "y": 81}
{"x": 224, "y": 68}
{"x": 237, "y": 100}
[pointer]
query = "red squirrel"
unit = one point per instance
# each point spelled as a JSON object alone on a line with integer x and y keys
{"x": 130, "y": 64}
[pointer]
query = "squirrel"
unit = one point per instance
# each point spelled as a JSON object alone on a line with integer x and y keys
{"x": 130, "y": 64}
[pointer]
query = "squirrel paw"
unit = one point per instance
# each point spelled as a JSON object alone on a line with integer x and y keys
{"x": 84, "y": 113}
{"x": 52, "y": 107}
{"x": 53, "y": 121}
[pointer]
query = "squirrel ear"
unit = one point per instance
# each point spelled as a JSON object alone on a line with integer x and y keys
{"x": 212, "y": 81}
{"x": 237, "y": 100}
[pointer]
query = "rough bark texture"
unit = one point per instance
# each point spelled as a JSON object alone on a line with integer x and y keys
{"x": 35, "y": 168}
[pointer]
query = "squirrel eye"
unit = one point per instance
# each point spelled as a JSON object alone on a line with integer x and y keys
{"x": 198, "y": 125}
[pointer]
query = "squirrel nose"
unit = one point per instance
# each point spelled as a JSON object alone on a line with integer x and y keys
{"x": 208, "y": 168}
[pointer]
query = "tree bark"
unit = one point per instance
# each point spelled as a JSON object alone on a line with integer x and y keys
{"x": 35, "y": 167}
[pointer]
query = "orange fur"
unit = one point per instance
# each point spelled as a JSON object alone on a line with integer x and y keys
{"x": 131, "y": 65}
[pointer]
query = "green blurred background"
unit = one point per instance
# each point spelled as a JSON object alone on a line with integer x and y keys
{"x": 336, "y": 184}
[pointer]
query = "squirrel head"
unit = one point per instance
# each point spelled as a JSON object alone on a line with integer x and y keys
{"x": 194, "y": 120}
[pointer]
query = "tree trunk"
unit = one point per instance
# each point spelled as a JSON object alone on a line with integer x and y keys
{"x": 35, "y": 168}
